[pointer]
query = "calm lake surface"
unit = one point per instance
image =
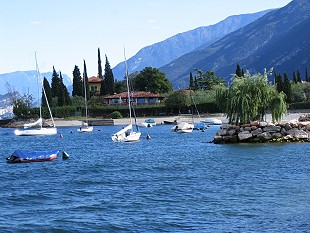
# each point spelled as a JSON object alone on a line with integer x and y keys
{"x": 171, "y": 183}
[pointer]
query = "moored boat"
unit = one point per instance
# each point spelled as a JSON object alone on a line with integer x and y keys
{"x": 23, "y": 156}
{"x": 212, "y": 121}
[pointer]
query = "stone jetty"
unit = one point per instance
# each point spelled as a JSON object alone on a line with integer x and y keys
{"x": 258, "y": 132}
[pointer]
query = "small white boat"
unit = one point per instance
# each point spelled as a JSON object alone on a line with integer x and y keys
{"x": 212, "y": 121}
{"x": 85, "y": 128}
{"x": 148, "y": 123}
{"x": 183, "y": 127}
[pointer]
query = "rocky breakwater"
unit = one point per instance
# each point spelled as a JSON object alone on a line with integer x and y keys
{"x": 257, "y": 132}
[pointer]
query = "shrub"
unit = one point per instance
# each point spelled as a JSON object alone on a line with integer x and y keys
{"x": 116, "y": 115}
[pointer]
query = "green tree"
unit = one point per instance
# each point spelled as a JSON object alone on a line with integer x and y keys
{"x": 77, "y": 89}
{"x": 64, "y": 93}
{"x": 207, "y": 80}
{"x": 294, "y": 78}
{"x": 307, "y": 77}
{"x": 85, "y": 82}
{"x": 287, "y": 88}
{"x": 191, "y": 81}
{"x": 99, "y": 65}
{"x": 22, "y": 106}
{"x": 108, "y": 77}
{"x": 238, "y": 71}
{"x": 178, "y": 100}
{"x": 152, "y": 80}
{"x": 48, "y": 93}
{"x": 249, "y": 98}
{"x": 55, "y": 86}
{"x": 279, "y": 83}
{"x": 120, "y": 86}
{"x": 61, "y": 94}
{"x": 298, "y": 76}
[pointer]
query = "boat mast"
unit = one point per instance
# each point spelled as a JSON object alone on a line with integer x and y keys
{"x": 128, "y": 92}
{"x": 48, "y": 105}
{"x": 38, "y": 83}
{"x": 85, "y": 97}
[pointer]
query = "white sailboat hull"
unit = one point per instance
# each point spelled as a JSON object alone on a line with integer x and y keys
{"x": 36, "y": 131}
{"x": 126, "y": 135}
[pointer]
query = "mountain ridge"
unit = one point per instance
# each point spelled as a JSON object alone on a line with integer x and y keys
{"x": 243, "y": 46}
{"x": 163, "y": 52}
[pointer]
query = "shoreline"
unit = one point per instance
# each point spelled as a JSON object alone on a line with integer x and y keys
{"x": 160, "y": 120}
{"x": 290, "y": 117}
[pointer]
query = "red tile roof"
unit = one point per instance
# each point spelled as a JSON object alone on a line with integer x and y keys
{"x": 94, "y": 79}
{"x": 138, "y": 94}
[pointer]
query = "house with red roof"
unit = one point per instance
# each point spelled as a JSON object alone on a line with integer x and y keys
{"x": 94, "y": 85}
{"x": 139, "y": 97}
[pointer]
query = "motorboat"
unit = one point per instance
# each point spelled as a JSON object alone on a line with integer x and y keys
{"x": 212, "y": 121}
{"x": 148, "y": 123}
{"x": 183, "y": 127}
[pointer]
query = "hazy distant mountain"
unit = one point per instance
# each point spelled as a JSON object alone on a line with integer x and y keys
{"x": 162, "y": 53}
{"x": 26, "y": 82}
{"x": 279, "y": 39}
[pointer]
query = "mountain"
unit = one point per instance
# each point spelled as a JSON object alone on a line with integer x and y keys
{"x": 6, "y": 109}
{"x": 26, "y": 82}
{"x": 279, "y": 39}
{"x": 162, "y": 53}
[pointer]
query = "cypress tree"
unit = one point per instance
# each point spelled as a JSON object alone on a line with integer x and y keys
{"x": 48, "y": 93}
{"x": 77, "y": 82}
{"x": 55, "y": 83}
{"x": 238, "y": 71}
{"x": 65, "y": 93}
{"x": 307, "y": 77}
{"x": 294, "y": 78}
{"x": 191, "y": 81}
{"x": 109, "y": 77}
{"x": 279, "y": 83}
{"x": 61, "y": 94}
{"x": 85, "y": 77}
{"x": 287, "y": 88}
{"x": 298, "y": 76}
{"x": 99, "y": 66}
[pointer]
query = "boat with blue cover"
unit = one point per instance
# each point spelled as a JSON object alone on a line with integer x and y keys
{"x": 23, "y": 156}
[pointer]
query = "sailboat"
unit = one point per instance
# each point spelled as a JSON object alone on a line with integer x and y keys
{"x": 127, "y": 134}
{"x": 85, "y": 127}
{"x": 36, "y": 128}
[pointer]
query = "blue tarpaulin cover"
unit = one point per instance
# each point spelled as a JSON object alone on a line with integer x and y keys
{"x": 35, "y": 154}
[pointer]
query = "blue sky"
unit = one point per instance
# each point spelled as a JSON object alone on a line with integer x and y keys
{"x": 64, "y": 32}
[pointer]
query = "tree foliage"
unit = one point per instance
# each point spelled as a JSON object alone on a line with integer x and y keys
{"x": 151, "y": 80}
{"x": 206, "y": 80}
{"x": 108, "y": 77}
{"x": 77, "y": 82}
{"x": 55, "y": 83}
{"x": 179, "y": 100}
{"x": 249, "y": 98}
{"x": 48, "y": 93}
{"x": 85, "y": 82}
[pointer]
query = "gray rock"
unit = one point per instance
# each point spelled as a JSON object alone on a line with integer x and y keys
{"x": 244, "y": 135}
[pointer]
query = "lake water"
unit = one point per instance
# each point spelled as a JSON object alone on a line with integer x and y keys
{"x": 171, "y": 183}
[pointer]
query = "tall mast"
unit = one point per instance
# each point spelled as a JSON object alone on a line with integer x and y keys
{"x": 128, "y": 92}
{"x": 38, "y": 83}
